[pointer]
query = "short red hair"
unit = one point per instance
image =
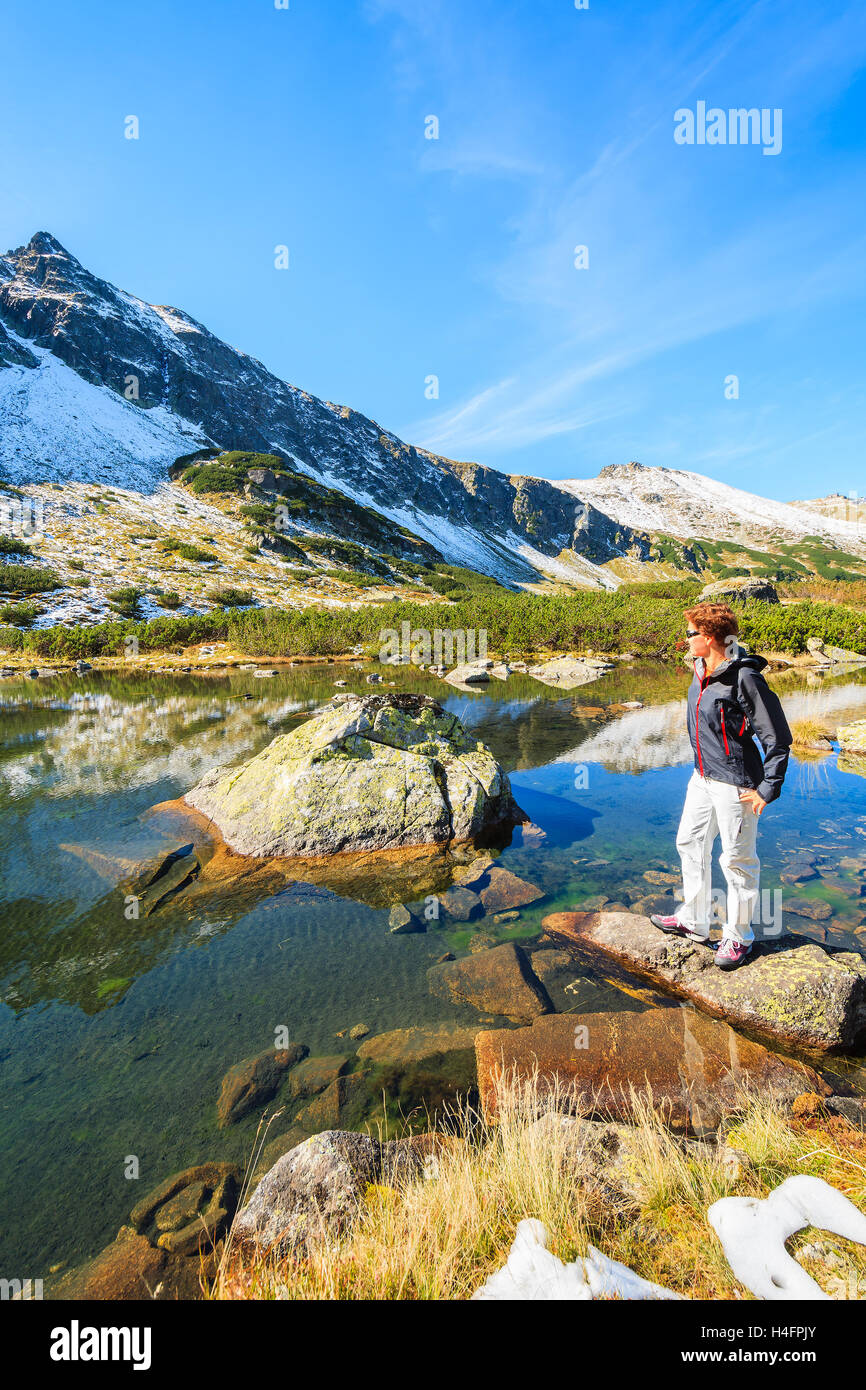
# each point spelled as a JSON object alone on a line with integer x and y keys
{"x": 713, "y": 620}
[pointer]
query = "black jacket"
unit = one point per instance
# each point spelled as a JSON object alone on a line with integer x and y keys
{"x": 725, "y": 710}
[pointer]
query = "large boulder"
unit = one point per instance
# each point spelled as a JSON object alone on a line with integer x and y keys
{"x": 737, "y": 590}
{"x": 316, "y": 1189}
{"x": 791, "y": 989}
{"x": 698, "y": 1070}
{"x": 852, "y": 737}
{"x": 380, "y": 772}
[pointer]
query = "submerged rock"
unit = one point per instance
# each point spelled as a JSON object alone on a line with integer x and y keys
{"x": 315, "y": 1074}
{"x": 461, "y": 904}
{"x": 791, "y": 989}
{"x": 496, "y": 981}
{"x": 418, "y": 1044}
{"x": 501, "y": 890}
{"x": 167, "y": 1245}
{"x": 815, "y": 908}
{"x": 697, "y": 1069}
{"x": 130, "y": 1269}
{"x": 333, "y": 1106}
{"x": 253, "y": 1081}
{"x": 401, "y": 922}
{"x": 378, "y": 772}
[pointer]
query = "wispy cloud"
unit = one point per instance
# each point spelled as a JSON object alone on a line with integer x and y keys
{"x": 662, "y": 277}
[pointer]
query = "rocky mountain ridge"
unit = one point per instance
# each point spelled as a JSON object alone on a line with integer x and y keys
{"x": 689, "y": 506}
{"x": 157, "y": 368}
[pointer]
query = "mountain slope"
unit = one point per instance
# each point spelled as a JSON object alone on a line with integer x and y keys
{"x": 689, "y": 506}
{"x": 514, "y": 528}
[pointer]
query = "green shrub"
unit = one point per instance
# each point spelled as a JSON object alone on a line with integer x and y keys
{"x": 258, "y": 511}
{"x": 125, "y": 601}
{"x": 76, "y": 564}
{"x": 187, "y": 551}
{"x": 10, "y": 545}
{"x": 227, "y": 597}
{"x": 27, "y": 579}
{"x": 683, "y": 591}
{"x": 356, "y": 577}
{"x": 514, "y": 622}
{"x": 19, "y": 614}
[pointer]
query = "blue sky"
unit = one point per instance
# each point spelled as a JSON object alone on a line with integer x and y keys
{"x": 454, "y": 257}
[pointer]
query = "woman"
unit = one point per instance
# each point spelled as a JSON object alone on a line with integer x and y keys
{"x": 729, "y": 702}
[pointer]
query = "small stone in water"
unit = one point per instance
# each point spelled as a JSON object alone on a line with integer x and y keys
{"x": 360, "y": 1030}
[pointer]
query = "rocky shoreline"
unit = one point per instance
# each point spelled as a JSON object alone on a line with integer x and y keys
{"x": 670, "y": 1046}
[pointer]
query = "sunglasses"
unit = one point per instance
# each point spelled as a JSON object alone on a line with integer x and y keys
{"x": 690, "y": 632}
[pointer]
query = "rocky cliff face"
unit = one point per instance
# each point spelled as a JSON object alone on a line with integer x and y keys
{"x": 163, "y": 361}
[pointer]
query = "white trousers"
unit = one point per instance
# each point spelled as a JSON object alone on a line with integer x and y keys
{"x": 714, "y": 808}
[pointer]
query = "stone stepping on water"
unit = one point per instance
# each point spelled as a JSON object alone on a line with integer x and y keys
{"x": 791, "y": 989}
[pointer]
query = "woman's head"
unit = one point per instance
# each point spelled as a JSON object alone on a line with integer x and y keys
{"x": 710, "y": 628}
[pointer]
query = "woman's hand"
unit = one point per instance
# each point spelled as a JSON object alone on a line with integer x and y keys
{"x": 751, "y": 798}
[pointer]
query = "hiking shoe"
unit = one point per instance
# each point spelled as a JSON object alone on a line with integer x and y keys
{"x": 674, "y": 927}
{"x": 731, "y": 953}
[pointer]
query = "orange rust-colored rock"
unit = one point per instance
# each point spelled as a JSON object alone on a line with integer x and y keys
{"x": 697, "y": 1069}
{"x": 500, "y": 890}
{"x": 131, "y": 1269}
{"x": 499, "y": 980}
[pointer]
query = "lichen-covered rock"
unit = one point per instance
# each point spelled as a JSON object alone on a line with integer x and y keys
{"x": 834, "y": 656}
{"x": 495, "y": 981}
{"x": 470, "y": 673}
{"x": 790, "y": 990}
{"x": 378, "y": 772}
{"x": 852, "y": 737}
{"x": 318, "y": 1187}
{"x": 311, "y": 1191}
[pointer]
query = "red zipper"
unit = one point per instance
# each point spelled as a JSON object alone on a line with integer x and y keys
{"x": 742, "y": 727}
{"x": 725, "y": 734}
{"x": 698, "y": 728}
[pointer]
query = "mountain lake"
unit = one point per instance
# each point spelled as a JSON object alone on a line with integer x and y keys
{"x": 115, "y": 1034}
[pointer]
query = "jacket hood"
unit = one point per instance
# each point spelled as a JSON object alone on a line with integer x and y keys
{"x": 744, "y": 660}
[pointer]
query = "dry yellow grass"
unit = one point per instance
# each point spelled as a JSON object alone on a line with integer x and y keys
{"x": 441, "y": 1236}
{"x": 808, "y": 731}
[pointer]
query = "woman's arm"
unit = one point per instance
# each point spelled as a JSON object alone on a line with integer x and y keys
{"x": 767, "y": 718}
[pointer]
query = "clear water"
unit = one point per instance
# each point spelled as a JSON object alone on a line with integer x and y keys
{"x": 115, "y": 1034}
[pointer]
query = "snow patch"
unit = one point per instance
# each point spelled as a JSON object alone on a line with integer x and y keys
{"x": 58, "y": 427}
